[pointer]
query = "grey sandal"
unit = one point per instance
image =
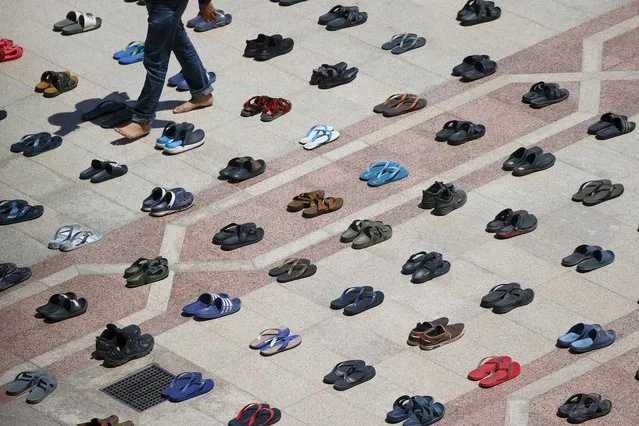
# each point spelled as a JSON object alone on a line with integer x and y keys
{"x": 372, "y": 235}
{"x": 41, "y": 389}
{"x": 23, "y": 382}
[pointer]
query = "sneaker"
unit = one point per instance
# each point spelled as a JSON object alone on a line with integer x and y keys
{"x": 126, "y": 348}
{"x": 109, "y": 336}
{"x": 450, "y": 199}
{"x": 430, "y": 196}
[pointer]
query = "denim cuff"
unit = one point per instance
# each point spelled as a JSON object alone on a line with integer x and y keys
{"x": 142, "y": 119}
{"x": 207, "y": 90}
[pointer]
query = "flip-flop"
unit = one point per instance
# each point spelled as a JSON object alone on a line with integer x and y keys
{"x": 356, "y": 375}
{"x": 486, "y": 366}
{"x": 321, "y": 137}
{"x": 588, "y": 188}
{"x": 203, "y": 301}
{"x": 341, "y": 369}
{"x": 28, "y": 140}
{"x": 297, "y": 272}
{"x": 265, "y": 416}
{"x": 281, "y": 344}
{"x": 222, "y": 306}
{"x": 246, "y": 413}
{"x": 376, "y": 168}
{"x": 310, "y": 134}
{"x": 265, "y": 337}
{"x": 503, "y": 372}
{"x": 580, "y": 254}
{"x": 287, "y": 265}
{"x": 430, "y": 270}
{"x": 133, "y": 56}
{"x": 180, "y": 382}
{"x": 364, "y": 302}
{"x": 245, "y": 236}
{"x": 10, "y": 53}
{"x": 497, "y": 293}
{"x": 598, "y": 259}
{"x": 515, "y": 298}
{"x": 40, "y": 146}
{"x": 409, "y": 104}
{"x": 602, "y": 193}
{"x": 418, "y": 260}
{"x": 396, "y": 40}
{"x": 81, "y": 239}
{"x": 349, "y": 296}
{"x": 573, "y": 402}
{"x": 193, "y": 389}
{"x": 410, "y": 42}
{"x": 229, "y": 231}
{"x": 390, "y": 174}
{"x": 64, "y": 235}
{"x": 20, "y": 212}
{"x": 390, "y": 102}
{"x": 16, "y": 276}
{"x": 127, "y": 50}
{"x": 425, "y": 413}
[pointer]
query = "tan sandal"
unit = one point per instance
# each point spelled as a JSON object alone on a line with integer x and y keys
{"x": 45, "y": 80}
{"x": 304, "y": 200}
{"x": 322, "y": 206}
{"x": 60, "y": 83}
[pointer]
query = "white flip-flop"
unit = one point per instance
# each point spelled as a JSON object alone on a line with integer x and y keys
{"x": 63, "y": 235}
{"x": 321, "y": 137}
{"x": 313, "y": 130}
{"x": 81, "y": 239}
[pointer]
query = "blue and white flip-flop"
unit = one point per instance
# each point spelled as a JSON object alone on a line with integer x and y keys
{"x": 204, "y": 301}
{"x": 282, "y": 344}
{"x": 221, "y": 307}
{"x": 321, "y": 137}
{"x": 376, "y": 168}
{"x": 266, "y": 336}
{"x": 313, "y": 130}
{"x": 390, "y": 174}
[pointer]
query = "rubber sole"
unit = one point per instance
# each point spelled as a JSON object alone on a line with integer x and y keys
{"x": 514, "y": 233}
{"x": 444, "y": 211}
{"x": 117, "y": 363}
{"x": 263, "y": 56}
{"x": 227, "y": 247}
{"x": 183, "y": 148}
{"x": 531, "y": 171}
{"x": 439, "y": 345}
{"x": 167, "y": 212}
{"x": 506, "y": 309}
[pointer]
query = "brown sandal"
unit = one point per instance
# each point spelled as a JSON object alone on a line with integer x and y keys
{"x": 304, "y": 200}
{"x": 408, "y": 104}
{"x": 322, "y": 206}
{"x": 390, "y": 102}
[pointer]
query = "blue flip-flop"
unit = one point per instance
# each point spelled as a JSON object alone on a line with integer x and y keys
{"x": 194, "y": 389}
{"x": 204, "y": 301}
{"x": 183, "y": 86}
{"x": 221, "y": 307}
{"x": 133, "y": 56}
{"x": 39, "y": 146}
{"x": 596, "y": 338}
{"x": 28, "y": 140}
{"x": 576, "y": 332}
{"x": 375, "y": 169}
{"x": 127, "y": 49}
{"x": 181, "y": 382}
{"x": 266, "y": 336}
{"x": 390, "y": 174}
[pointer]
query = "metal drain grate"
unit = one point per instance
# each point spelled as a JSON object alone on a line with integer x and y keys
{"x": 141, "y": 390}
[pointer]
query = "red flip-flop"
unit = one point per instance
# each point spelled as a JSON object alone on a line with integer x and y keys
{"x": 504, "y": 372}
{"x": 9, "y": 53}
{"x": 484, "y": 369}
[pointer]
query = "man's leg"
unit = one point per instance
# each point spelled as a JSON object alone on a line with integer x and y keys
{"x": 164, "y": 18}
{"x": 194, "y": 73}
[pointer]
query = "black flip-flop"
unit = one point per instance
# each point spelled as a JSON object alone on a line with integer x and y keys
{"x": 228, "y": 231}
{"x": 349, "y": 296}
{"x": 40, "y": 146}
{"x": 515, "y": 298}
{"x": 497, "y": 293}
{"x": 20, "y": 212}
{"x": 354, "y": 376}
{"x": 588, "y": 188}
{"x": 296, "y": 272}
{"x": 603, "y": 192}
{"x": 534, "y": 163}
{"x": 286, "y": 266}
{"x": 590, "y": 408}
{"x": 417, "y": 260}
{"x": 341, "y": 369}
{"x": 365, "y": 301}
{"x": 16, "y": 276}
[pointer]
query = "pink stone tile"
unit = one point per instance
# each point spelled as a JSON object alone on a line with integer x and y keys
{"x": 162, "y": 323}
{"x": 214, "y": 193}
{"x": 490, "y": 414}
{"x": 51, "y": 266}
{"x": 106, "y": 304}
{"x": 9, "y": 360}
{"x": 620, "y": 49}
{"x": 561, "y": 53}
{"x": 631, "y": 65}
{"x": 565, "y": 138}
{"x": 620, "y": 97}
{"x": 72, "y": 363}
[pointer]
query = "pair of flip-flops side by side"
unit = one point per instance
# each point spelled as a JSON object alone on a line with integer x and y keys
{"x": 17, "y": 211}
{"x": 319, "y": 135}
{"x": 457, "y": 132}
{"x": 594, "y": 192}
{"x": 543, "y": 94}
{"x": 400, "y": 103}
{"x": 11, "y": 274}
{"x": 423, "y": 267}
{"x": 348, "y": 374}
{"x": 275, "y": 340}
{"x": 504, "y": 298}
{"x": 234, "y": 236}
{"x": 494, "y": 370}
{"x": 293, "y": 269}
{"x": 402, "y": 43}
{"x": 381, "y": 172}
{"x": 186, "y": 386}
{"x": 77, "y": 22}
{"x": 9, "y": 51}
{"x": 74, "y": 236}
{"x": 582, "y": 407}
{"x": 37, "y": 143}
{"x": 132, "y": 53}
{"x": 355, "y": 300}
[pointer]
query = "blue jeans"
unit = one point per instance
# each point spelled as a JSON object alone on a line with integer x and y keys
{"x": 166, "y": 33}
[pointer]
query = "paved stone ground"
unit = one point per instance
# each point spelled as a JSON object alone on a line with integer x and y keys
{"x": 590, "y": 47}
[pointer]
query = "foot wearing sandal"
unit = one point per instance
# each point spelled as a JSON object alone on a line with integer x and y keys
{"x": 134, "y": 130}
{"x": 195, "y": 102}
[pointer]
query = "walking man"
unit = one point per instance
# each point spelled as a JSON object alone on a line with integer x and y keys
{"x": 166, "y": 34}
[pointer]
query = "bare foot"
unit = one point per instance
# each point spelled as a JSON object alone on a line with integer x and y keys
{"x": 194, "y": 103}
{"x": 134, "y": 130}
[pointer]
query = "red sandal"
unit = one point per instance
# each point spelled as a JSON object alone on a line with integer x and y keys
{"x": 9, "y": 53}
{"x": 265, "y": 417}
{"x": 502, "y": 373}
{"x": 5, "y": 42}
{"x": 485, "y": 368}
{"x": 247, "y": 413}
{"x": 275, "y": 108}
{"x": 254, "y": 106}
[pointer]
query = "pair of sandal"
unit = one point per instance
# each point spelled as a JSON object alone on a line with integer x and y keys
{"x": 597, "y": 191}
{"x": 366, "y": 233}
{"x": 101, "y": 171}
{"x": 293, "y": 269}
{"x": 77, "y": 22}
{"x": 187, "y": 385}
{"x": 415, "y": 410}
{"x": 355, "y": 300}
{"x": 581, "y": 338}
{"x": 132, "y": 53}
{"x": 399, "y": 104}
{"x": 477, "y": 12}
{"x": 119, "y": 346}
{"x": 319, "y": 135}
{"x": 16, "y": 211}
{"x": 179, "y": 81}
{"x": 114, "y": 114}
{"x": 112, "y": 420}
{"x": 275, "y": 340}
{"x": 239, "y": 169}
{"x": 35, "y": 144}
{"x": 524, "y": 161}
{"x": 588, "y": 258}
{"x": 475, "y": 67}
{"x": 9, "y": 51}
{"x": 425, "y": 266}
{"x": 177, "y": 138}
{"x": 504, "y": 298}
{"x": 402, "y": 43}
{"x": 162, "y": 202}
{"x": 62, "y": 306}
{"x": 582, "y": 407}
{"x": 348, "y": 374}
{"x": 610, "y": 126}
{"x": 442, "y": 198}
{"x": 10, "y": 275}
{"x": 495, "y": 370}
{"x": 256, "y": 414}
{"x": 212, "y": 305}
{"x": 200, "y": 25}
{"x": 38, "y": 383}
{"x": 313, "y": 204}
{"x": 329, "y": 76}
{"x": 382, "y": 172}
{"x": 509, "y": 223}
{"x": 74, "y": 236}
{"x": 54, "y": 83}
{"x": 543, "y": 94}
{"x": 270, "y": 108}
{"x": 234, "y": 236}
{"x": 145, "y": 271}
{"x": 266, "y": 47}
{"x": 340, "y": 17}
{"x": 457, "y": 132}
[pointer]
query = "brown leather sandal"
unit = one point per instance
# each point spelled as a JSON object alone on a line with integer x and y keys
{"x": 390, "y": 102}
{"x": 322, "y": 206}
{"x": 304, "y": 200}
{"x": 408, "y": 104}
